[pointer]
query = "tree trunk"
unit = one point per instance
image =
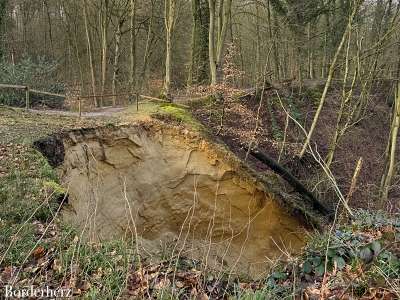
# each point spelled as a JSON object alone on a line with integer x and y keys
{"x": 390, "y": 163}
{"x": 258, "y": 65}
{"x": 217, "y": 42}
{"x": 170, "y": 18}
{"x": 272, "y": 40}
{"x": 211, "y": 43}
{"x": 104, "y": 49}
{"x": 387, "y": 178}
{"x": 199, "y": 73}
{"x": 146, "y": 55}
{"x": 90, "y": 54}
{"x": 118, "y": 34}
{"x": 310, "y": 52}
{"x": 132, "y": 75}
{"x": 50, "y": 26}
{"x": 226, "y": 5}
{"x": 3, "y": 14}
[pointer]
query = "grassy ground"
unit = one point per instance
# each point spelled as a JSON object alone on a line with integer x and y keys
{"x": 353, "y": 260}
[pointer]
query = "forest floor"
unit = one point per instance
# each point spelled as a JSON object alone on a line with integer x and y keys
{"x": 355, "y": 259}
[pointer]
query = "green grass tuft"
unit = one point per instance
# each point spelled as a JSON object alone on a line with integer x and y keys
{"x": 179, "y": 114}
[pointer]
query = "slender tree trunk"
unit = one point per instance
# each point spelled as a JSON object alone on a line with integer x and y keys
{"x": 104, "y": 48}
{"x": 78, "y": 59}
{"x": 132, "y": 75}
{"x": 3, "y": 14}
{"x": 146, "y": 55}
{"x": 211, "y": 43}
{"x": 326, "y": 56}
{"x": 170, "y": 18}
{"x": 90, "y": 53}
{"x": 199, "y": 73}
{"x": 217, "y": 42}
{"x": 167, "y": 84}
{"x": 272, "y": 40}
{"x": 391, "y": 163}
{"x": 258, "y": 67}
{"x": 50, "y": 26}
{"x": 193, "y": 44}
{"x": 310, "y": 50}
{"x": 226, "y": 5}
{"x": 118, "y": 34}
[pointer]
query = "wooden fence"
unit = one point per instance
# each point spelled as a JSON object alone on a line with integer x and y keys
{"x": 28, "y": 91}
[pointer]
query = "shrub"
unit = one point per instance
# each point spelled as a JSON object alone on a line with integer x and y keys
{"x": 39, "y": 74}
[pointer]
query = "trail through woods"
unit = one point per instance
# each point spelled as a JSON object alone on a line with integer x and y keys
{"x": 102, "y": 112}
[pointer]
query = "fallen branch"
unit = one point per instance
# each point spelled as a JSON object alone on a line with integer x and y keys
{"x": 293, "y": 181}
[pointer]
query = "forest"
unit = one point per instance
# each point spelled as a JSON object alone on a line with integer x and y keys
{"x": 200, "y": 149}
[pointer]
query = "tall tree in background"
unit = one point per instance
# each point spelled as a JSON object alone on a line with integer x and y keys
{"x": 121, "y": 12}
{"x": 170, "y": 15}
{"x": 90, "y": 51}
{"x": 132, "y": 71}
{"x": 217, "y": 36}
{"x": 147, "y": 50}
{"x": 105, "y": 18}
{"x": 71, "y": 26}
{"x": 199, "y": 64}
{"x": 3, "y": 14}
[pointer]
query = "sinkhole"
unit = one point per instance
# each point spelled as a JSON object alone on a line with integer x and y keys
{"x": 168, "y": 187}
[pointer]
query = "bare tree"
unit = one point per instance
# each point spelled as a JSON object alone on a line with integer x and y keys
{"x": 170, "y": 15}
{"x": 217, "y": 36}
{"x": 90, "y": 51}
{"x": 132, "y": 74}
{"x": 121, "y": 18}
{"x": 104, "y": 13}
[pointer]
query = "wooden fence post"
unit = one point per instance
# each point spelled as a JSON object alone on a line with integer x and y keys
{"x": 27, "y": 98}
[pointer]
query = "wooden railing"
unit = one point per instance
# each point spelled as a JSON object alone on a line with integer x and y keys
{"x": 28, "y": 91}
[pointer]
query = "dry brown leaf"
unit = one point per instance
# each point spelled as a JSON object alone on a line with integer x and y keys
{"x": 380, "y": 293}
{"x": 39, "y": 252}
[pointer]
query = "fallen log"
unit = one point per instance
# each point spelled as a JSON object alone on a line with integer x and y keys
{"x": 293, "y": 181}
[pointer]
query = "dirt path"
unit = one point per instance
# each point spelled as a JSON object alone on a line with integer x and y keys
{"x": 102, "y": 112}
